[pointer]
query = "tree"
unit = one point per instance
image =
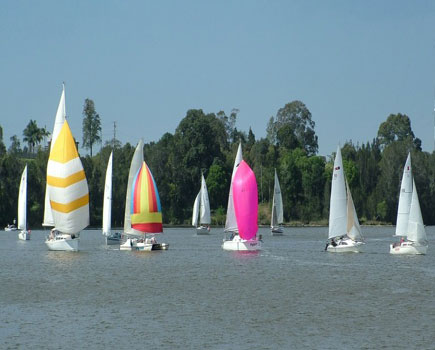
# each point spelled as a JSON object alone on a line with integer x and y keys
{"x": 15, "y": 147}
{"x": 2, "y": 145}
{"x": 91, "y": 125}
{"x": 397, "y": 127}
{"x": 297, "y": 119}
{"x": 34, "y": 135}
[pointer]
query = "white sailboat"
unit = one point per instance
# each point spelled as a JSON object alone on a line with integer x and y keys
{"x": 243, "y": 190}
{"x": 111, "y": 237}
{"x": 58, "y": 123}
{"x": 201, "y": 210}
{"x": 277, "y": 210}
{"x": 68, "y": 193}
{"x": 143, "y": 212}
{"x": 344, "y": 229}
{"x": 409, "y": 223}
{"x": 24, "y": 234}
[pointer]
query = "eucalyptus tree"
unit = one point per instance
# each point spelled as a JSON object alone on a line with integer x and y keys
{"x": 298, "y": 128}
{"x": 91, "y": 125}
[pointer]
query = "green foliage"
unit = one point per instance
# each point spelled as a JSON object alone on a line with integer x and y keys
{"x": 208, "y": 143}
{"x": 34, "y": 135}
{"x": 91, "y": 125}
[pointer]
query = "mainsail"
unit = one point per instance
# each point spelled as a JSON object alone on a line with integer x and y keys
{"x": 404, "y": 199}
{"x": 277, "y": 207}
{"x": 204, "y": 217}
{"x": 67, "y": 185}
{"x": 58, "y": 123}
{"x": 338, "y": 203}
{"x": 107, "y": 202}
{"x": 231, "y": 222}
{"x": 22, "y": 201}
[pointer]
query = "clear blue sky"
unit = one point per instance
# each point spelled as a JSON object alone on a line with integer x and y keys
{"x": 146, "y": 63}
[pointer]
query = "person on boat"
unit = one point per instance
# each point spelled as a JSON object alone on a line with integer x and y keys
{"x": 333, "y": 243}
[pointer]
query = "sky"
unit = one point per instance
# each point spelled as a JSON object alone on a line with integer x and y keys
{"x": 146, "y": 63}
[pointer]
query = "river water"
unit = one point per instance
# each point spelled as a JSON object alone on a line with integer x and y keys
{"x": 292, "y": 295}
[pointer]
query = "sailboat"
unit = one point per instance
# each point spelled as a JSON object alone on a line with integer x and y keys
{"x": 22, "y": 210}
{"x": 143, "y": 211}
{"x": 409, "y": 219}
{"x": 344, "y": 230}
{"x": 58, "y": 123}
{"x": 242, "y": 213}
{"x": 68, "y": 193}
{"x": 111, "y": 237}
{"x": 277, "y": 210}
{"x": 201, "y": 210}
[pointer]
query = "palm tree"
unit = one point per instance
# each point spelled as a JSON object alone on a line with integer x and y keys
{"x": 34, "y": 135}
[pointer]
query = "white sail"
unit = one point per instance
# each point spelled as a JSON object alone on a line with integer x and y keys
{"x": 338, "y": 203}
{"x": 277, "y": 207}
{"x": 416, "y": 231}
{"x": 67, "y": 186}
{"x": 404, "y": 199}
{"x": 22, "y": 201}
{"x": 353, "y": 227}
{"x": 107, "y": 201}
{"x": 204, "y": 217}
{"x": 196, "y": 209}
{"x": 231, "y": 222}
{"x": 58, "y": 123}
{"x": 136, "y": 164}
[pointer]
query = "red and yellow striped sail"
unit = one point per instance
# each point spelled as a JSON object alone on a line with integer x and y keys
{"x": 66, "y": 184}
{"x": 146, "y": 210}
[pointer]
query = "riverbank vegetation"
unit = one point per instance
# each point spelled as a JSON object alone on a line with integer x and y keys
{"x": 208, "y": 142}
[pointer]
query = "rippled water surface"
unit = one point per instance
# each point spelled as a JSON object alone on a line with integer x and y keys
{"x": 292, "y": 295}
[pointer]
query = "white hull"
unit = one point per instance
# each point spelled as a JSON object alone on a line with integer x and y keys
{"x": 63, "y": 242}
{"x": 346, "y": 246}
{"x": 134, "y": 244}
{"x": 238, "y": 244}
{"x": 202, "y": 230}
{"x": 10, "y": 228}
{"x": 24, "y": 235}
{"x": 276, "y": 231}
{"x": 408, "y": 248}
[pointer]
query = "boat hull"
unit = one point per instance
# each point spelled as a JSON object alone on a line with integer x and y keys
{"x": 346, "y": 246}
{"x": 24, "y": 235}
{"x": 63, "y": 243}
{"x": 10, "y": 228}
{"x": 242, "y": 245}
{"x": 276, "y": 231}
{"x": 408, "y": 248}
{"x": 132, "y": 244}
{"x": 202, "y": 230}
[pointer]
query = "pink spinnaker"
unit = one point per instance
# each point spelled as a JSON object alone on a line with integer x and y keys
{"x": 245, "y": 196}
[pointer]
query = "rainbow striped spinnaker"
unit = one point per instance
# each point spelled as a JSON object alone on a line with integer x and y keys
{"x": 145, "y": 207}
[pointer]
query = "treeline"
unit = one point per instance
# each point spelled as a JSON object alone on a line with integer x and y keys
{"x": 208, "y": 142}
